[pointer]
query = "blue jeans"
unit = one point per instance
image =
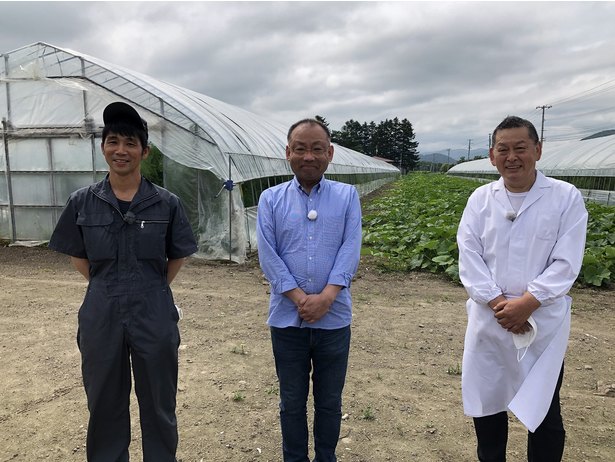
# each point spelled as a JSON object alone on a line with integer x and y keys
{"x": 297, "y": 352}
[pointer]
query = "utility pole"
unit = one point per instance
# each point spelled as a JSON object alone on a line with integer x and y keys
{"x": 489, "y": 141}
{"x": 469, "y": 146}
{"x": 542, "y": 125}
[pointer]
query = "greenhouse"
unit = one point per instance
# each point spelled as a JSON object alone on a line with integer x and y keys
{"x": 217, "y": 158}
{"x": 589, "y": 164}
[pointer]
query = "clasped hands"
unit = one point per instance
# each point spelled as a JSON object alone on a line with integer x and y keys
{"x": 312, "y": 307}
{"x": 512, "y": 314}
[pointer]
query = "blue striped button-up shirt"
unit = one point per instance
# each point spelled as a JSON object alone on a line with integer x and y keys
{"x": 295, "y": 251}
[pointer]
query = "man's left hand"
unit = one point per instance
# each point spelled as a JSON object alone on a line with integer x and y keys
{"x": 314, "y": 307}
{"x": 513, "y": 314}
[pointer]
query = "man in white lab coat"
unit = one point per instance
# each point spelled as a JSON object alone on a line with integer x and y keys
{"x": 521, "y": 242}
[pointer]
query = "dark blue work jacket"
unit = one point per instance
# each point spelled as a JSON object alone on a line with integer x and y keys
{"x": 132, "y": 247}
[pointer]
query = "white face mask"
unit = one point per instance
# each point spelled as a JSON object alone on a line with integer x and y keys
{"x": 525, "y": 340}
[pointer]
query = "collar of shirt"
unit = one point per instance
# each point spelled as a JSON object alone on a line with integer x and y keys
{"x": 145, "y": 196}
{"x": 317, "y": 187}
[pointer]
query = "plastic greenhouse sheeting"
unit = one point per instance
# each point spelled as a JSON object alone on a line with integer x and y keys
{"x": 593, "y": 157}
{"x": 51, "y": 103}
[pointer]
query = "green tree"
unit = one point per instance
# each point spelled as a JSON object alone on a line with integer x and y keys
{"x": 395, "y": 141}
{"x": 370, "y": 140}
{"x": 407, "y": 146}
{"x": 390, "y": 139}
{"x": 349, "y": 136}
{"x": 385, "y": 144}
{"x": 322, "y": 120}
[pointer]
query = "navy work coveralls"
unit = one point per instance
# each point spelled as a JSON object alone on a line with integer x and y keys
{"x": 128, "y": 313}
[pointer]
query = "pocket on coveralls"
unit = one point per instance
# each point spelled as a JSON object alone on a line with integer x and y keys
{"x": 152, "y": 236}
{"x": 99, "y": 236}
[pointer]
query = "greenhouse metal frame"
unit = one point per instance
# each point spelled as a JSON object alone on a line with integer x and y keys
{"x": 217, "y": 157}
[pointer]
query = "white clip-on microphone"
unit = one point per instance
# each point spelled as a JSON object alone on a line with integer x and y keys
{"x": 312, "y": 215}
{"x": 511, "y": 216}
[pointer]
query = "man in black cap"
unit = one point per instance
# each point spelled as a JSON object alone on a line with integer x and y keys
{"x": 129, "y": 239}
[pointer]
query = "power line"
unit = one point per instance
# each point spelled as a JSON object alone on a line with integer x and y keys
{"x": 571, "y": 111}
{"x": 542, "y": 125}
{"x": 594, "y": 91}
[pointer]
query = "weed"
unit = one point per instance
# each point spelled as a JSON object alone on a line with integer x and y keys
{"x": 273, "y": 390}
{"x": 238, "y": 396}
{"x": 454, "y": 370}
{"x": 368, "y": 414}
{"x": 241, "y": 350}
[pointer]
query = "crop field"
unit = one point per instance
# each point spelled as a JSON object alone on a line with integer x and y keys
{"x": 413, "y": 226}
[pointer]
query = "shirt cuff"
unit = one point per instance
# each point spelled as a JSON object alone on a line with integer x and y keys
{"x": 484, "y": 296}
{"x": 343, "y": 279}
{"x": 279, "y": 286}
{"x": 540, "y": 295}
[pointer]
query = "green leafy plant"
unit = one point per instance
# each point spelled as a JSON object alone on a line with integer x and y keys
{"x": 152, "y": 167}
{"x": 272, "y": 390}
{"x": 454, "y": 370}
{"x": 368, "y": 414}
{"x": 599, "y": 261}
{"x": 413, "y": 227}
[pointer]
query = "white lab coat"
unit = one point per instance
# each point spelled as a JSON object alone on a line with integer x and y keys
{"x": 540, "y": 251}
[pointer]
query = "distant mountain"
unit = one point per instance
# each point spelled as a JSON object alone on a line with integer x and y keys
{"x": 440, "y": 157}
{"x": 437, "y": 158}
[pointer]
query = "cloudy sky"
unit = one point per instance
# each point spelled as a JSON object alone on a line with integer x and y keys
{"x": 453, "y": 69}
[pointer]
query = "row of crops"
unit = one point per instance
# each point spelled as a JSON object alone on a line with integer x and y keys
{"x": 413, "y": 226}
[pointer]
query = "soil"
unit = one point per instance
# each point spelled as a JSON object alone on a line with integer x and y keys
{"x": 402, "y": 400}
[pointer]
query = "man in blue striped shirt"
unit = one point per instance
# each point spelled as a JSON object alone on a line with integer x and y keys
{"x": 309, "y": 243}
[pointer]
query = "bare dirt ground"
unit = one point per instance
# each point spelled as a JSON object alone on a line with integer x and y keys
{"x": 402, "y": 398}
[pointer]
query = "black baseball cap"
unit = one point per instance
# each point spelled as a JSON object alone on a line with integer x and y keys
{"x": 119, "y": 112}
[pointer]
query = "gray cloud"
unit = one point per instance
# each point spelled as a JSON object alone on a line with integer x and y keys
{"x": 453, "y": 69}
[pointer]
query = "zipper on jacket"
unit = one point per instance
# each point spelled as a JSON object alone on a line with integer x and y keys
{"x": 131, "y": 219}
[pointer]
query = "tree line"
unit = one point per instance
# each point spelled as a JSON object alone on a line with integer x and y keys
{"x": 390, "y": 139}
